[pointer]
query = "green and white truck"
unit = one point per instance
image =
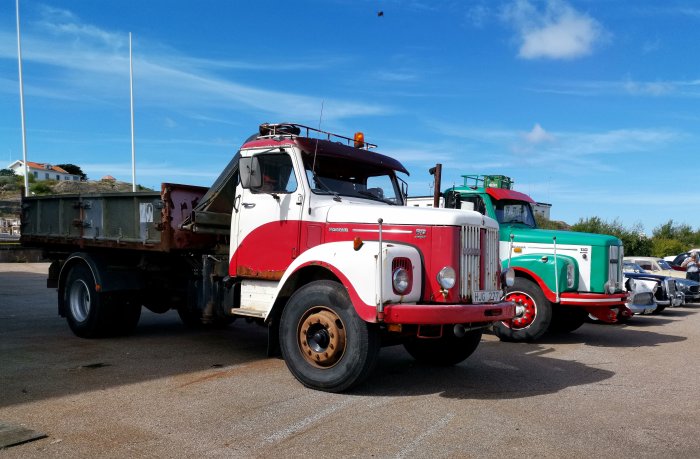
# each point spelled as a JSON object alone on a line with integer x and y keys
{"x": 562, "y": 277}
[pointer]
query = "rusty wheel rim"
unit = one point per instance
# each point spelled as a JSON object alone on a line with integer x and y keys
{"x": 321, "y": 337}
{"x": 529, "y": 310}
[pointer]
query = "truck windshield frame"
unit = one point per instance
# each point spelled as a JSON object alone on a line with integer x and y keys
{"x": 512, "y": 211}
{"x": 328, "y": 175}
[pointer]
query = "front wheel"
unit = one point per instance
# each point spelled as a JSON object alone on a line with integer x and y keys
{"x": 323, "y": 341}
{"x": 446, "y": 350}
{"x": 534, "y": 313}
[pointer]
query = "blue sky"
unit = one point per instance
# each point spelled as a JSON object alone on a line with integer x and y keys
{"x": 589, "y": 105}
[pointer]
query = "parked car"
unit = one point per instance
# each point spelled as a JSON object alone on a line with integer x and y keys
{"x": 655, "y": 265}
{"x": 669, "y": 292}
{"x": 642, "y": 299}
{"x": 680, "y": 258}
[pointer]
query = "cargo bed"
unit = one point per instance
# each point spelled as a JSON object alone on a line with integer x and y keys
{"x": 145, "y": 221}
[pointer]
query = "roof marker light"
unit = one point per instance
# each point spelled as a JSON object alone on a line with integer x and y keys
{"x": 359, "y": 140}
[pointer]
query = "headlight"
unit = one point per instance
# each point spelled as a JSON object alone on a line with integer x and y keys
{"x": 508, "y": 277}
{"x": 400, "y": 280}
{"x": 610, "y": 287}
{"x": 570, "y": 271}
{"x": 447, "y": 277}
{"x": 630, "y": 285}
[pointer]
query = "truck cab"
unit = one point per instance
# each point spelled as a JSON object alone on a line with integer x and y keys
{"x": 561, "y": 276}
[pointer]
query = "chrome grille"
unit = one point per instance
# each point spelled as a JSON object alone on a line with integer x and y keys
{"x": 479, "y": 263}
{"x": 615, "y": 266}
{"x": 644, "y": 298}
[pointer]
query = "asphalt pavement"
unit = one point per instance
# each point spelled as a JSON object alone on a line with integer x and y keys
{"x": 602, "y": 391}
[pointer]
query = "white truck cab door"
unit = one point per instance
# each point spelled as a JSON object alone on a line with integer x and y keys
{"x": 267, "y": 220}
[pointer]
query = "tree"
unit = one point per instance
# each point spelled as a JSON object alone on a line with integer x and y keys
{"x": 634, "y": 240}
{"x": 679, "y": 232}
{"x": 545, "y": 223}
{"x": 73, "y": 169}
{"x": 7, "y": 172}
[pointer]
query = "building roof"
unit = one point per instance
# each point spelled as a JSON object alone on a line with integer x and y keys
{"x": 40, "y": 166}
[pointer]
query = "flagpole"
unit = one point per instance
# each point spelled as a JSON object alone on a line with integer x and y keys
{"x": 131, "y": 92}
{"x": 21, "y": 107}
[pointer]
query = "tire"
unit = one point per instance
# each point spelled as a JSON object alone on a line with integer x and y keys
{"x": 566, "y": 319}
{"x": 445, "y": 351}
{"x": 659, "y": 309}
{"x": 324, "y": 343}
{"x": 86, "y": 310}
{"x": 534, "y": 322}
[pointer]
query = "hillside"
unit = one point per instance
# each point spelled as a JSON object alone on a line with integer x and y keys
{"x": 10, "y": 195}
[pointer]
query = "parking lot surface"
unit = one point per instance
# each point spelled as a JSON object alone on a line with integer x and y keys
{"x": 602, "y": 391}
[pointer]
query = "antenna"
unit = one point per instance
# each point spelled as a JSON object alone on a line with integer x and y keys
{"x": 313, "y": 164}
{"x": 320, "y": 118}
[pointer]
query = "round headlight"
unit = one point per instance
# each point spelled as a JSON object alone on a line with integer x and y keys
{"x": 630, "y": 285}
{"x": 447, "y": 277}
{"x": 401, "y": 280}
{"x": 508, "y": 277}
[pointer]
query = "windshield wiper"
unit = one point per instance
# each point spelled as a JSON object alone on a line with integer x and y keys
{"x": 324, "y": 187}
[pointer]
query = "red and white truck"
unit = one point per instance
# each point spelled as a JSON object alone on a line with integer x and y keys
{"x": 306, "y": 232}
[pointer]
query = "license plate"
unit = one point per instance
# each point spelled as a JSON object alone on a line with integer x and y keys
{"x": 487, "y": 296}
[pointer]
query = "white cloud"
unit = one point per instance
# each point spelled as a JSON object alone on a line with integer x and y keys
{"x": 538, "y": 135}
{"x": 557, "y": 32}
{"x": 90, "y": 63}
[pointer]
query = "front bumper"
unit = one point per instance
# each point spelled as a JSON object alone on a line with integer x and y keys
{"x": 443, "y": 314}
{"x": 642, "y": 308}
{"x": 593, "y": 299}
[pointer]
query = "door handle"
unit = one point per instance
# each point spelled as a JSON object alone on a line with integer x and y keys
{"x": 248, "y": 205}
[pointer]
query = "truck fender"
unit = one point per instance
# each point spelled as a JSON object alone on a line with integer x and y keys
{"x": 106, "y": 279}
{"x": 357, "y": 271}
{"x": 540, "y": 268}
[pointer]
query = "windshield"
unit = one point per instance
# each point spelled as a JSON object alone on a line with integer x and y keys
{"x": 632, "y": 267}
{"x": 664, "y": 264}
{"x": 510, "y": 211}
{"x": 340, "y": 177}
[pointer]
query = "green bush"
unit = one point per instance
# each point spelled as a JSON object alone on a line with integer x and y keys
{"x": 43, "y": 187}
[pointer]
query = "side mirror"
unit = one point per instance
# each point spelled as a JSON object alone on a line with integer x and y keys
{"x": 250, "y": 172}
{"x": 453, "y": 200}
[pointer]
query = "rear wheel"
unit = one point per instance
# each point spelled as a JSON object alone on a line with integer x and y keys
{"x": 534, "y": 313}
{"x": 323, "y": 341}
{"x": 445, "y": 351}
{"x": 86, "y": 311}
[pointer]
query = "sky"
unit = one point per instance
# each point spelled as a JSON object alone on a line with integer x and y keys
{"x": 590, "y": 105}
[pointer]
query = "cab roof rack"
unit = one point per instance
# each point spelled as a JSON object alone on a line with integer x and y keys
{"x": 269, "y": 130}
{"x": 488, "y": 181}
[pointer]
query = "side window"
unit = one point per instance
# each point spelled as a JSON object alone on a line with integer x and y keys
{"x": 479, "y": 205}
{"x": 277, "y": 174}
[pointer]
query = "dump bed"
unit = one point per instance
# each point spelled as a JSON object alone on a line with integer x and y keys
{"x": 148, "y": 221}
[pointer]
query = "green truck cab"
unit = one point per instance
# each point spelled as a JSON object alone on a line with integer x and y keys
{"x": 561, "y": 276}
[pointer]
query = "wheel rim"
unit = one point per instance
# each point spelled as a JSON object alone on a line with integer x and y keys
{"x": 79, "y": 300}
{"x": 527, "y": 305}
{"x": 321, "y": 337}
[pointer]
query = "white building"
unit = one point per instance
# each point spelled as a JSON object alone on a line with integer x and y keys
{"x": 542, "y": 209}
{"x": 42, "y": 171}
{"x": 424, "y": 201}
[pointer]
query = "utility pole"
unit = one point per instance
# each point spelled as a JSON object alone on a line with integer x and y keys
{"x": 21, "y": 107}
{"x": 131, "y": 92}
